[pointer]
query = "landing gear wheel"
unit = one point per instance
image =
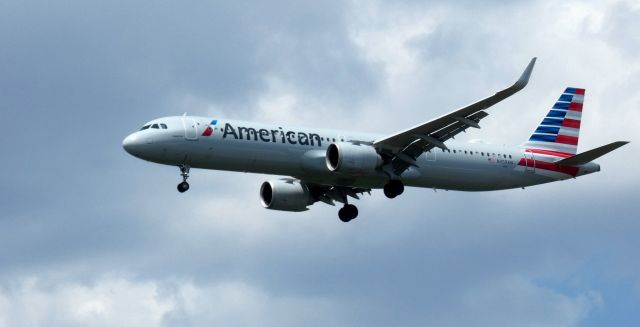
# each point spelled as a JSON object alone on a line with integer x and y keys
{"x": 393, "y": 188}
{"x": 342, "y": 214}
{"x": 353, "y": 211}
{"x": 184, "y": 172}
{"x": 348, "y": 213}
{"x": 388, "y": 192}
{"x": 183, "y": 187}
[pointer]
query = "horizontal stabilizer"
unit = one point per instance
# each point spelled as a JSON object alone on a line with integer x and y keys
{"x": 585, "y": 157}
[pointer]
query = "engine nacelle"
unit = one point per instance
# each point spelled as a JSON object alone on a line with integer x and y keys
{"x": 285, "y": 195}
{"x": 350, "y": 158}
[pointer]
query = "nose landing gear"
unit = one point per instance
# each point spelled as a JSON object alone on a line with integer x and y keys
{"x": 184, "y": 172}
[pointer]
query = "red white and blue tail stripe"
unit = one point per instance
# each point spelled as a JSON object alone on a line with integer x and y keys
{"x": 558, "y": 133}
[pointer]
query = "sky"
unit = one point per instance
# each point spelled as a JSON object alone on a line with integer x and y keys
{"x": 91, "y": 236}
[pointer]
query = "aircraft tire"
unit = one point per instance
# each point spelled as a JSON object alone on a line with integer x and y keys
{"x": 183, "y": 187}
{"x": 353, "y": 211}
{"x": 399, "y": 188}
{"x": 393, "y": 189}
{"x": 388, "y": 192}
{"x": 343, "y": 215}
{"x": 348, "y": 213}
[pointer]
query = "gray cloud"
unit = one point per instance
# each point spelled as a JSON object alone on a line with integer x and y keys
{"x": 88, "y": 232}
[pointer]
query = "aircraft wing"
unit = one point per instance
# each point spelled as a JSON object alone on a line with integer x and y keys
{"x": 405, "y": 147}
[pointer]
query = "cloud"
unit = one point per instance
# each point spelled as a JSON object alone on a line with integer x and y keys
{"x": 120, "y": 301}
{"x": 89, "y": 234}
{"x": 106, "y": 303}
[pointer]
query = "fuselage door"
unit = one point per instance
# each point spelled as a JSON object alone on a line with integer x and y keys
{"x": 530, "y": 162}
{"x": 431, "y": 155}
{"x": 190, "y": 128}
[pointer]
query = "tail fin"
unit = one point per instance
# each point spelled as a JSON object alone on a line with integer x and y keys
{"x": 558, "y": 133}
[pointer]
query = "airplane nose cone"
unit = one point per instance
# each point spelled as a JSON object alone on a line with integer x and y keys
{"x": 131, "y": 144}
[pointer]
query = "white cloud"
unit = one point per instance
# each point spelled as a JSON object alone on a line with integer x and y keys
{"x": 108, "y": 302}
{"x": 213, "y": 256}
{"x": 385, "y": 37}
{"x": 438, "y": 58}
{"x": 117, "y": 301}
{"x": 518, "y": 302}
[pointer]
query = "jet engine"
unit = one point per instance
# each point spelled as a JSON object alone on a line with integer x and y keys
{"x": 352, "y": 158}
{"x": 285, "y": 195}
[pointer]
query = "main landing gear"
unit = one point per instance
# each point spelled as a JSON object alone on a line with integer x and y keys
{"x": 348, "y": 213}
{"x": 184, "y": 172}
{"x": 393, "y": 188}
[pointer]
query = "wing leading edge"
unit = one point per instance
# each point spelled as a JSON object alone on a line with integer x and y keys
{"x": 402, "y": 149}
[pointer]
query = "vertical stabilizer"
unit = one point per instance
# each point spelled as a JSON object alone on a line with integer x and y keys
{"x": 558, "y": 133}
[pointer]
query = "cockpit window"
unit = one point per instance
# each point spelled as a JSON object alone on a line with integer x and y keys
{"x": 155, "y": 126}
{"x": 145, "y": 127}
{"x": 164, "y": 126}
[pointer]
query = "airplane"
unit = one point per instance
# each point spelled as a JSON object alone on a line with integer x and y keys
{"x": 332, "y": 166}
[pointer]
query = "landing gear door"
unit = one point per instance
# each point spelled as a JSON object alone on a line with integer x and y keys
{"x": 530, "y": 162}
{"x": 190, "y": 128}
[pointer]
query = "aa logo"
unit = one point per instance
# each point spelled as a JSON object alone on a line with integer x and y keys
{"x": 211, "y": 128}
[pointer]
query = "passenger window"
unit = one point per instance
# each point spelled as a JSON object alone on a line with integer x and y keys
{"x": 145, "y": 127}
{"x": 465, "y": 151}
{"x": 482, "y": 153}
{"x": 509, "y": 156}
{"x": 454, "y": 151}
{"x": 164, "y": 126}
{"x": 505, "y": 156}
{"x": 155, "y": 126}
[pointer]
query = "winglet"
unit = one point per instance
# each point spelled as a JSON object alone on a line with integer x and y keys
{"x": 524, "y": 78}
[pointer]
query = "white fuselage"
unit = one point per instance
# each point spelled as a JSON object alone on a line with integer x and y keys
{"x": 300, "y": 152}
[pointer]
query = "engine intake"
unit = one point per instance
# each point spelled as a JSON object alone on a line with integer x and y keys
{"x": 285, "y": 195}
{"x": 350, "y": 158}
